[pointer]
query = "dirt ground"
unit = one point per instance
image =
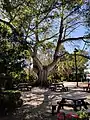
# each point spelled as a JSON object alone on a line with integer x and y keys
{"x": 37, "y": 104}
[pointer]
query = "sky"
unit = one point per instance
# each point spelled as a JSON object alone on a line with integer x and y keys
{"x": 79, "y": 44}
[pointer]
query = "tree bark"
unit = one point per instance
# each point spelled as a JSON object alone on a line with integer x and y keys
{"x": 42, "y": 77}
{"x": 42, "y": 72}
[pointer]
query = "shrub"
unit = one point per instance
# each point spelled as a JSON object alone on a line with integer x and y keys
{"x": 9, "y": 100}
{"x": 82, "y": 114}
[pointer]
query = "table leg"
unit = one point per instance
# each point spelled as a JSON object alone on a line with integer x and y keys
{"x": 60, "y": 105}
{"x": 53, "y": 108}
{"x": 84, "y": 104}
{"x": 75, "y": 107}
{"x": 58, "y": 109}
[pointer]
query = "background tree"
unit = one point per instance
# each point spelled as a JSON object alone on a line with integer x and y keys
{"x": 12, "y": 59}
{"x": 66, "y": 68}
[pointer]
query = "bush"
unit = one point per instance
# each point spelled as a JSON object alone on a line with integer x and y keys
{"x": 82, "y": 114}
{"x": 9, "y": 100}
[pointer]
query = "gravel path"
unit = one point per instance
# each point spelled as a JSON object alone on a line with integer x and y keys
{"x": 37, "y": 104}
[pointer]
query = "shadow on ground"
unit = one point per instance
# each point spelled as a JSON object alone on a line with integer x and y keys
{"x": 37, "y": 104}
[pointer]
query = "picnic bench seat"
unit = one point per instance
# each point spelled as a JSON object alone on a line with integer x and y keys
{"x": 67, "y": 104}
{"x": 58, "y": 87}
{"x": 61, "y": 105}
{"x": 86, "y": 88}
{"x": 24, "y": 86}
{"x": 70, "y": 104}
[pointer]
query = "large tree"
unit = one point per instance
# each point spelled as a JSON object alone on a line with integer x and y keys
{"x": 34, "y": 23}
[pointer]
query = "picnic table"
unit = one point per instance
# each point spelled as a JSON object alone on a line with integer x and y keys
{"x": 24, "y": 86}
{"x": 87, "y": 87}
{"x": 58, "y": 86}
{"x": 73, "y": 102}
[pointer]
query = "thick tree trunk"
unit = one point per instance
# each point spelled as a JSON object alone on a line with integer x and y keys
{"x": 43, "y": 71}
{"x": 42, "y": 77}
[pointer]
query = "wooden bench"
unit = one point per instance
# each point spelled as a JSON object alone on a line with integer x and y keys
{"x": 58, "y": 87}
{"x": 64, "y": 89}
{"x": 24, "y": 86}
{"x": 86, "y": 89}
{"x": 15, "y": 87}
{"x": 52, "y": 88}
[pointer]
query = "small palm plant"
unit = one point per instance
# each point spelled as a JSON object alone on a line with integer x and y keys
{"x": 83, "y": 115}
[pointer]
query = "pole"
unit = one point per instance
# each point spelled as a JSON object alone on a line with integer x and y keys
{"x": 29, "y": 73}
{"x": 76, "y": 67}
{"x": 29, "y": 70}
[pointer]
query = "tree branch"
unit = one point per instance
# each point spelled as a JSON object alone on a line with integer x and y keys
{"x": 37, "y": 61}
{"x": 75, "y": 9}
{"x": 74, "y": 24}
{"x": 60, "y": 37}
{"x": 55, "y": 61}
{"x": 72, "y": 30}
{"x": 78, "y": 38}
{"x": 88, "y": 57}
{"x": 48, "y": 38}
{"x": 64, "y": 33}
{"x": 86, "y": 41}
{"x": 84, "y": 46}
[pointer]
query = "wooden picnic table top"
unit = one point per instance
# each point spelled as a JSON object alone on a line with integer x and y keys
{"x": 57, "y": 84}
{"x": 23, "y": 83}
{"x": 24, "y": 86}
{"x": 60, "y": 83}
{"x": 74, "y": 98}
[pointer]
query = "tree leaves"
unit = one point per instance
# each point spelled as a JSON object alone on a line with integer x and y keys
{"x": 66, "y": 68}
